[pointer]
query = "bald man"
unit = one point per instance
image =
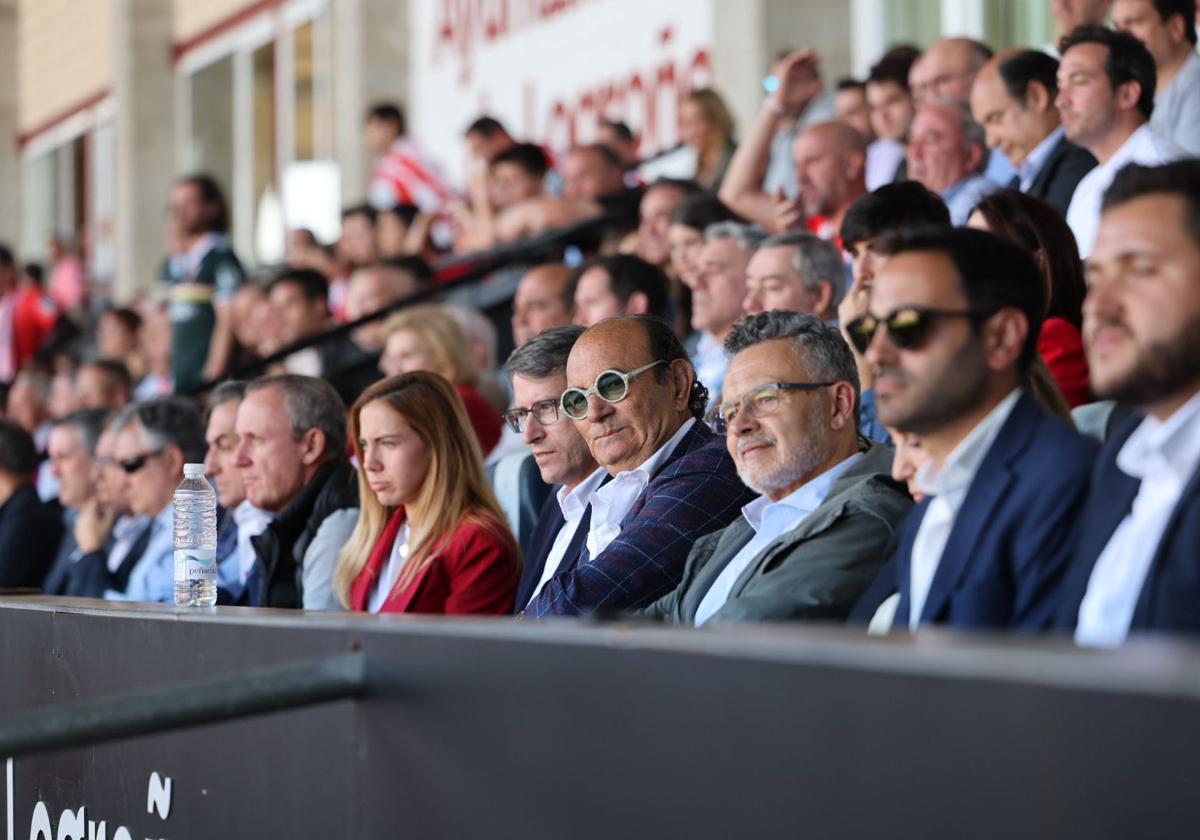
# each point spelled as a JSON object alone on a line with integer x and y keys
{"x": 946, "y": 154}
{"x": 830, "y": 159}
{"x": 544, "y": 300}
{"x": 1013, "y": 99}
{"x": 945, "y": 73}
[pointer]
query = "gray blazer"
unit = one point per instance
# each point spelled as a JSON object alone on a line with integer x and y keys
{"x": 817, "y": 570}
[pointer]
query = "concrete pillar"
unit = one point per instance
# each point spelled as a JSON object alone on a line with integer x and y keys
{"x": 10, "y": 165}
{"x": 144, "y": 87}
{"x": 370, "y": 50}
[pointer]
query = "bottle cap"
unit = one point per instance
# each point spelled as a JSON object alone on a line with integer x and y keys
{"x": 193, "y": 471}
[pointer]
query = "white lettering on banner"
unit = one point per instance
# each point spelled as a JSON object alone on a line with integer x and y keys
{"x": 551, "y": 69}
{"x": 74, "y": 825}
{"x": 158, "y": 796}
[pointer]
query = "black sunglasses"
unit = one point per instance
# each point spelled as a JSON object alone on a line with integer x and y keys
{"x": 132, "y": 465}
{"x": 907, "y": 327}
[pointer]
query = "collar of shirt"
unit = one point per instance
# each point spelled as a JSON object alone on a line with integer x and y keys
{"x": 574, "y": 502}
{"x": 956, "y": 475}
{"x": 1167, "y": 450}
{"x": 1033, "y": 163}
{"x": 126, "y": 526}
{"x": 196, "y": 254}
{"x": 247, "y": 514}
{"x": 775, "y": 518}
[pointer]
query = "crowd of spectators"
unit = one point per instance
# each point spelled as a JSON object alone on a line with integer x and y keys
{"x": 919, "y": 349}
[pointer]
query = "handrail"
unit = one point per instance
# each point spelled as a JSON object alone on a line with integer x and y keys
{"x": 453, "y": 273}
{"x": 250, "y": 692}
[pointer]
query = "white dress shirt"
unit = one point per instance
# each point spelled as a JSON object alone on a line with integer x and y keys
{"x": 1144, "y": 146}
{"x": 1164, "y": 456}
{"x": 573, "y": 505}
{"x": 948, "y": 488}
{"x": 391, "y": 570}
{"x": 1035, "y": 161}
{"x": 770, "y": 521}
{"x": 710, "y": 363}
{"x": 612, "y": 502}
{"x": 883, "y": 161}
{"x": 251, "y": 521}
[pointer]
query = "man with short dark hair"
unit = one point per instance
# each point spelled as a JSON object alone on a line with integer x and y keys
{"x": 621, "y": 284}
{"x": 619, "y": 137}
{"x": 1135, "y": 566}
{"x": 201, "y": 282}
{"x": 812, "y": 543}
{"x": 634, "y": 397}
{"x": 538, "y": 370}
{"x": 30, "y": 530}
{"x": 797, "y": 271}
{"x": 951, "y": 331}
{"x": 356, "y": 246}
{"x": 542, "y": 301}
{"x": 401, "y": 174}
{"x": 1168, "y": 29}
{"x": 487, "y": 137}
{"x": 890, "y": 104}
{"x": 1013, "y": 99}
{"x": 517, "y": 174}
{"x": 103, "y": 383}
{"x": 299, "y": 300}
{"x": 292, "y": 454}
{"x": 1106, "y": 83}
{"x": 654, "y": 217}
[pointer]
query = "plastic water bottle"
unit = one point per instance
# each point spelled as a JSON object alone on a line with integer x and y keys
{"x": 195, "y": 540}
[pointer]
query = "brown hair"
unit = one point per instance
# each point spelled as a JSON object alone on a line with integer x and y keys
{"x": 440, "y": 333}
{"x": 455, "y": 489}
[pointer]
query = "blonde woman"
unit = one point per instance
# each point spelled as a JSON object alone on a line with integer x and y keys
{"x": 706, "y": 126}
{"x": 430, "y": 536}
{"x": 429, "y": 338}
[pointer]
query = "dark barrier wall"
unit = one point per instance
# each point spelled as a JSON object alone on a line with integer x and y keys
{"x": 513, "y": 729}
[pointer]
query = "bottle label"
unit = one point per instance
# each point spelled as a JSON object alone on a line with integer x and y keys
{"x": 196, "y": 564}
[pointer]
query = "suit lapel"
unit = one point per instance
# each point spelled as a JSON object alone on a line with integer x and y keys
{"x": 988, "y": 488}
{"x": 550, "y": 522}
{"x": 903, "y": 562}
{"x": 733, "y": 539}
{"x": 1145, "y": 606}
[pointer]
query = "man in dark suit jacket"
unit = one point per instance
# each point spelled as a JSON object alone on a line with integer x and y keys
{"x": 29, "y": 529}
{"x": 810, "y": 545}
{"x": 1137, "y": 564}
{"x": 951, "y": 330}
{"x": 634, "y": 397}
{"x": 538, "y": 369}
{"x": 1013, "y": 99}
{"x": 71, "y": 447}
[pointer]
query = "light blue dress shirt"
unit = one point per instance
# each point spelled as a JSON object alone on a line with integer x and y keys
{"x": 962, "y": 196}
{"x": 153, "y": 577}
{"x": 770, "y": 521}
{"x": 1036, "y": 160}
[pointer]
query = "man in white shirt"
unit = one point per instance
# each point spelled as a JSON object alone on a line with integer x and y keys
{"x": 1106, "y": 85}
{"x": 538, "y": 369}
{"x": 1135, "y": 568}
{"x": 633, "y": 396}
{"x": 1168, "y": 29}
{"x": 950, "y": 333}
{"x": 809, "y": 546}
{"x": 718, "y": 289}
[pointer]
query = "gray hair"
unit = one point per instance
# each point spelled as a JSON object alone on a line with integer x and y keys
{"x": 747, "y": 237}
{"x": 477, "y": 327}
{"x": 311, "y": 403}
{"x": 169, "y": 421}
{"x": 38, "y": 381}
{"x": 973, "y": 133}
{"x": 226, "y": 392}
{"x": 814, "y": 259}
{"x": 545, "y": 354}
{"x": 820, "y": 347}
{"x": 88, "y": 423}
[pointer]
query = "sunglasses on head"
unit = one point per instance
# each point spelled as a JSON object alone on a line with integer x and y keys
{"x": 612, "y": 386}
{"x": 132, "y": 465}
{"x": 907, "y": 327}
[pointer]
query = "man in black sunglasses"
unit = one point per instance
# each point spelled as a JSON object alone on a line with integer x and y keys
{"x": 633, "y": 396}
{"x": 950, "y": 333}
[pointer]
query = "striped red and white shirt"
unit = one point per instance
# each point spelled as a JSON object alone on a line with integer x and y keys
{"x": 405, "y": 176}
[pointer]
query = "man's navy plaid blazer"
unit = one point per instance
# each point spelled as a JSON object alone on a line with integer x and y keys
{"x": 696, "y": 492}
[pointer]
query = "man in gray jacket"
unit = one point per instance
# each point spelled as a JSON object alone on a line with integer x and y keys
{"x": 809, "y": 546}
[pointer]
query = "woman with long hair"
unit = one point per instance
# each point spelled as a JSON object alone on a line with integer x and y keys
{"x": 1041, "y": 230}
{"x": 706, "y": 126}
{"x": 429, "y": 338}
{"x": 430, "y": 537}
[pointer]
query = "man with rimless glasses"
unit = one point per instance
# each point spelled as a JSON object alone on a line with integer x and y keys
{"x": 633, "y": 396}
{"x": 950, "y": 332}
{"x": 812, "y": 543}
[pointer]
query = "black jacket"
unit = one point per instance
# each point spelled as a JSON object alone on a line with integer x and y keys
{"x": 29, "y": 535}
{"x": 1055, "y": 183}
{"x": 280, "y": 548}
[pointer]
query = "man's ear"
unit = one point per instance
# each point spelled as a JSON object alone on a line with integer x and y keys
{"x": 1128, "y": 94}
{"x": 1037, "y": 98}
{"x": 1004, "y": 338}
{"x": 312, "y": 447}
{"x": 682, "y": 377}
{"x": 824, "y": 297}
{"x": 844, "y": 408}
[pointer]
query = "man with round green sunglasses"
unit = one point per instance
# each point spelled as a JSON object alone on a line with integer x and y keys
{"x": 633, "y": 396}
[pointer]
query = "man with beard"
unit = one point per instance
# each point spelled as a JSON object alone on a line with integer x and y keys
{"x": 817, "y": 536}
{"x": 1135, "y": 567}
{"x": 950, "y": 332}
